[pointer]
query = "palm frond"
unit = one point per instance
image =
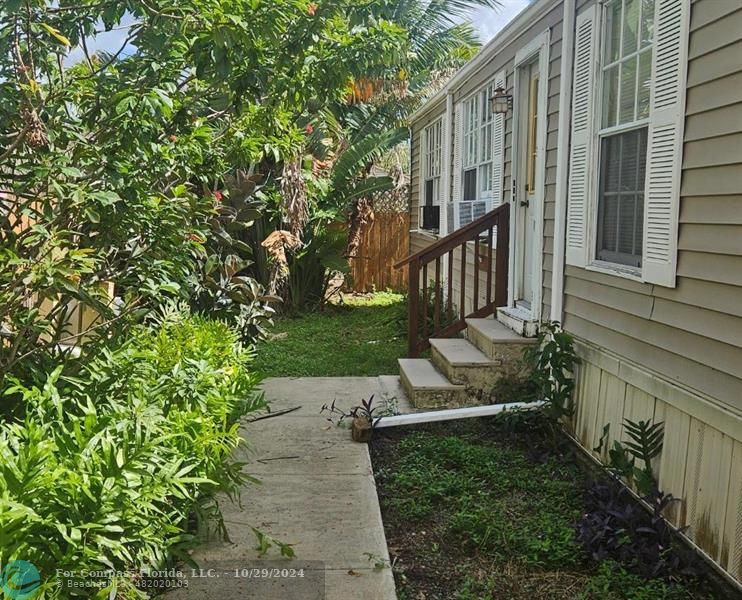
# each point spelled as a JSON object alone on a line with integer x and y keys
{"x": 354, "y": 160}
{"x": 367, "y": 187}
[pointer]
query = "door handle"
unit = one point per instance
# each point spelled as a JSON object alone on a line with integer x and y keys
{"x": 525, "y": 203}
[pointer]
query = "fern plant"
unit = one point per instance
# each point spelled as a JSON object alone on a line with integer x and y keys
{"x": 644, "y": 445}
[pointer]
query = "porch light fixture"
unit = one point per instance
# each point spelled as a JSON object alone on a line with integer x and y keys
{"x": 501, "y": 102}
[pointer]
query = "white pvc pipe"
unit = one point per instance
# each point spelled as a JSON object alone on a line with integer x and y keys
{"x": 453, "y": 413}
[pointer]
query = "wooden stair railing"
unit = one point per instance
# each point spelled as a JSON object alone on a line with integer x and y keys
{"x": 423, "y": 326}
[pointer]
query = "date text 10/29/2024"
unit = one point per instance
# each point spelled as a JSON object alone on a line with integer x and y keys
{"x": 178, "y": 577}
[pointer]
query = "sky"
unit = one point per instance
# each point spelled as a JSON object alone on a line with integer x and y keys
{"x": 488, "y": 21}
{"x": 108, "y": 41}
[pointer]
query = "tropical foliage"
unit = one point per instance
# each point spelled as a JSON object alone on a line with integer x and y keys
{"x": 370, "y": 127}
{"x": 105, "y": 468}
{"x": 147, "y": 181}
{"x": 114, "y": 170}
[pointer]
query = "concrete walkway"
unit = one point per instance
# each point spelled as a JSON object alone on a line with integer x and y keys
{"x": 317, "y": 493}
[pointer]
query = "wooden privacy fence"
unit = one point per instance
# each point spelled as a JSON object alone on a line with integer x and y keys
{"x": 384, "y": 243}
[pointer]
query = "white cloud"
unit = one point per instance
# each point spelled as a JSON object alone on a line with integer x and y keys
{"x": 489, "y": 21}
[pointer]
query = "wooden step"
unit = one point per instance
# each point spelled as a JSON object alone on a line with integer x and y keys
{"x": 427, "y": 387}
{"x": 518, "y": 320}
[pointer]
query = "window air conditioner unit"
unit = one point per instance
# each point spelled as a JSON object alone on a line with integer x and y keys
{"x": 431, "y": 217}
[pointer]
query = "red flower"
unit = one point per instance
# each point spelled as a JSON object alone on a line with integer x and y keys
{"x": 173, "y": 138}
{"x": 309, "y": 129}
{"x": 312, "y": 9}
{"x": 218, "y": 196}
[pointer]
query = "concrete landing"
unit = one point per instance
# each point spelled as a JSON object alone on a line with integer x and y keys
{"x": 496, "y": 332}
{"x": 459, "y": 352}
{"x": 317, "y": 492}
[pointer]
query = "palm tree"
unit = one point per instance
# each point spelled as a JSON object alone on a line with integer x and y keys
{"x": 374, "y": 120}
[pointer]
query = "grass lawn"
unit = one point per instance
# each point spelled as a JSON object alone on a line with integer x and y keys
{"x": 364, "y": 336}
{"x": 471, "y": 513}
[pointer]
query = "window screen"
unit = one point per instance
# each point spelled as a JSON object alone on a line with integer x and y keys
{"x": 621, "y": 202}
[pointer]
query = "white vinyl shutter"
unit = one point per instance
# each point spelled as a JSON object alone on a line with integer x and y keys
{"x": 498, "y": 147}
{"x": 581, "y": 159}
{"x": 457, "y": 192}
{"x": 422, "y": 162}
{"x": 665, "y": 142}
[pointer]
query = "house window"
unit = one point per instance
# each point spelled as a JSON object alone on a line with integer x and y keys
{"x": 477, "y": 150}
{"x": 432, "y": 163}
{"x": 431, "y": 189}
{"x": 621, "y": 207}
{"x": 624, "y": 118}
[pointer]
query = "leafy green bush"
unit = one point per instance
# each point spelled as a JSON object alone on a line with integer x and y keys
{"x": 105, "y": 470}
{"x": 552, "y": 362}
{"x": 313, "y": 266}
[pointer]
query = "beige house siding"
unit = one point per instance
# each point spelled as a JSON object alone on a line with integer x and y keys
{"x": 415, "y": 143}
{"x": 701, "y": 460}
{"x": 675, "y": 354}
{"x": 691, "y": 334}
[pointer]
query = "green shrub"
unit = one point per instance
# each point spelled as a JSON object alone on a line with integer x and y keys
{"x": 106, "y": 469}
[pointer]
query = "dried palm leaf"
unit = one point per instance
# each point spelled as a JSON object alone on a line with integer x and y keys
{"x": 294, "y": 193}
{"x": 361, "y": 215}
{"x": 277, "y": 244}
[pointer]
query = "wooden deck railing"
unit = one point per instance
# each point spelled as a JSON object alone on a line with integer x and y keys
{"x": 491, "y": 231}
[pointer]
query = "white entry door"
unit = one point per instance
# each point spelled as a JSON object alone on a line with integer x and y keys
{"x": 526, "y": 196}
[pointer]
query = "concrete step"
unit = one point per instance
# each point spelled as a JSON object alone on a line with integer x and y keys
{"x": 519, "y": 320}
{"x": 393, "y": 393}
{"x": 463, "y": 363}
{"x": 500, "y": 344}
{"x": 428, "y": 388}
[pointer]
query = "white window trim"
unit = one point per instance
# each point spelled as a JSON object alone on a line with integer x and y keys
{"x": 457, "y": 200}
{"x": 608, "y": 268}
{"x": 618, "y": 269}
{"x": 438, "y": 122}
{"x": 478, "y": 133}
{"x": 593, "y": 207}
{"x": 641, "y": 274}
